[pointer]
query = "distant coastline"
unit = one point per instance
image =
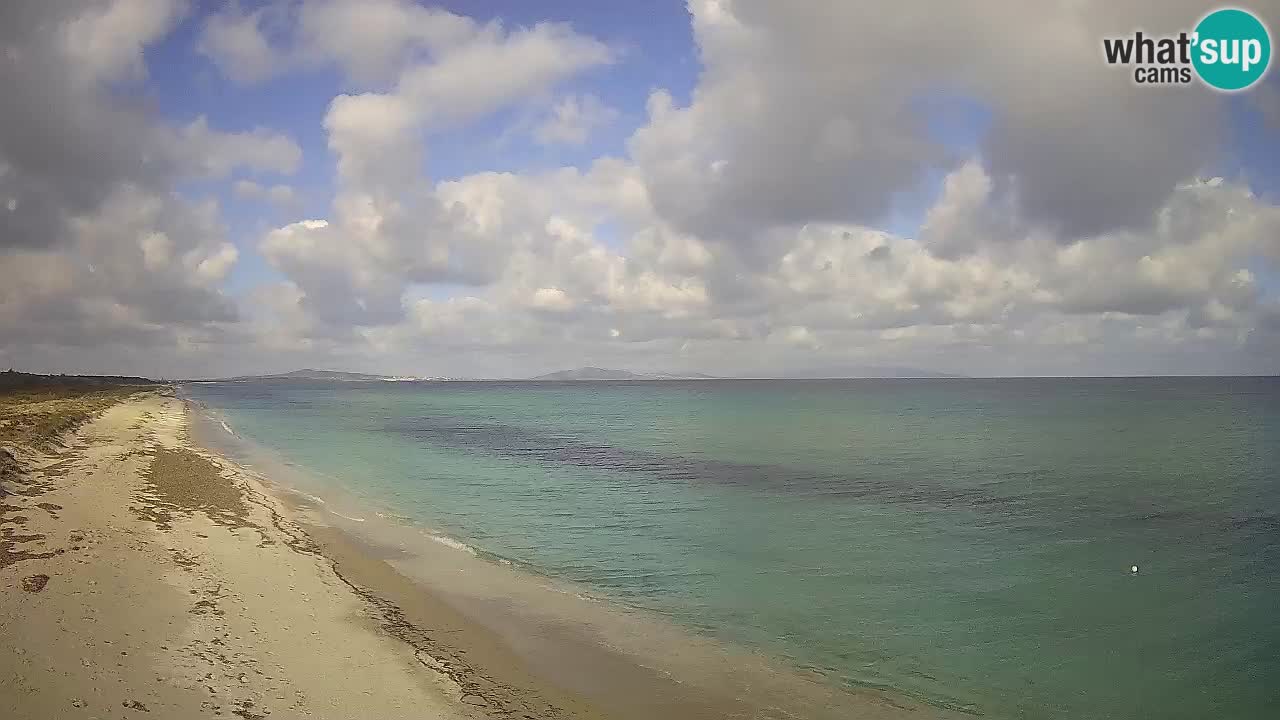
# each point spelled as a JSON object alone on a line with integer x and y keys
{"x": 583, "y": 374}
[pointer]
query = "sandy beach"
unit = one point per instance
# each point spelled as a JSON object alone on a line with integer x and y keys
{"x": 145, "y": 574}
{"x": 138, "y": 579}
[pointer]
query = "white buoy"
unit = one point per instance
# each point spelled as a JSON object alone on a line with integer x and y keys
{"x": 1134, "y": 569}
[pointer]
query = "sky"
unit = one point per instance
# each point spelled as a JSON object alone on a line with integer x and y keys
{"x": 502, "y": 188}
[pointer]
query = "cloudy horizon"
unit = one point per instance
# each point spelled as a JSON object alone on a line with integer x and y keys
{"x": 735, "y": 187}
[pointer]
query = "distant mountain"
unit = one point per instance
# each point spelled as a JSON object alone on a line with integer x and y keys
{"x": 590, "y": 373}
{"x": 595, "y": 373}
{"x": 309, "y": 374}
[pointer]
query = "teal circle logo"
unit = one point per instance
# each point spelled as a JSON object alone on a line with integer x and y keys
{"x": 1231, "y": 49}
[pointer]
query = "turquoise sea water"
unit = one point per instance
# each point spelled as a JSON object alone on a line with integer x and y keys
{"x": 968, "y": 542}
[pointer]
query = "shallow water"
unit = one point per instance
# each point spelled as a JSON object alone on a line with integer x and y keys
{"x": 966, "y": 542}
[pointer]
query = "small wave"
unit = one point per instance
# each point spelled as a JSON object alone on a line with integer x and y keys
{"x": 313, "y": 498}
{"x": 451, "y": 543}
{"x": 227, "y": 427}
{"x": 346, "y": 517}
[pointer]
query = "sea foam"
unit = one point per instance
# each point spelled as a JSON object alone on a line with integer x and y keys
{"x": 451, "y": 543}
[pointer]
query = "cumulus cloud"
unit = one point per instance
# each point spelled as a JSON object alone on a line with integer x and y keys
{"x": 813, "y": 112}
{"x": 212, "y": 153}
{"x": 138, "y": 270}
{"x": 371, "y": 41}
{"x": 494, "y": 68}
{"x": 106, "y": 40}
{"x": 96, "y": 249}
{"x": 849, "y": 296}
{"x": 237, "y": 42}
{"x": 368, "y": 39}
{"x": 390, "y": 227}
{"x": 65, "y": 146}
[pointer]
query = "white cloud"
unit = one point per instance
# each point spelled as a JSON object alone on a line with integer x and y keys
{"x": 237, "y": 43}
{"x": 97, "y": 250}
{"x": 551, "y": 300}
{"x": 282, "y": 196}
{"x": 136, "y": 271}
{"x": 214, "y": 153}
{"x": 822, "y": 295}
{"x": 495, "y": 68}
{"x": 372, "y": 39}
{"x": 816, "y": 112}
{"x": 375, "y": 42}
{"x": 572, "y": 120}
{"x": 390, "y": 227}
{"x": 106, "y": 39}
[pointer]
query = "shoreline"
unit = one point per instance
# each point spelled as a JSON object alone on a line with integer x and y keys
{"x": 624, "y": 662}
{"x": 254, "y": 600}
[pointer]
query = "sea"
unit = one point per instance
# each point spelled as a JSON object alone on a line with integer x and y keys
{"x": 1005, "y": 548}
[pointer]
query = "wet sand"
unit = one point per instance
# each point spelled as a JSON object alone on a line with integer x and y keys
{"x": 145, "y": 573}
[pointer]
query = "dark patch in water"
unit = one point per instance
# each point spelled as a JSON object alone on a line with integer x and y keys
{"x": 519, "y": 444}
{"x": 1010, "y": 494}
